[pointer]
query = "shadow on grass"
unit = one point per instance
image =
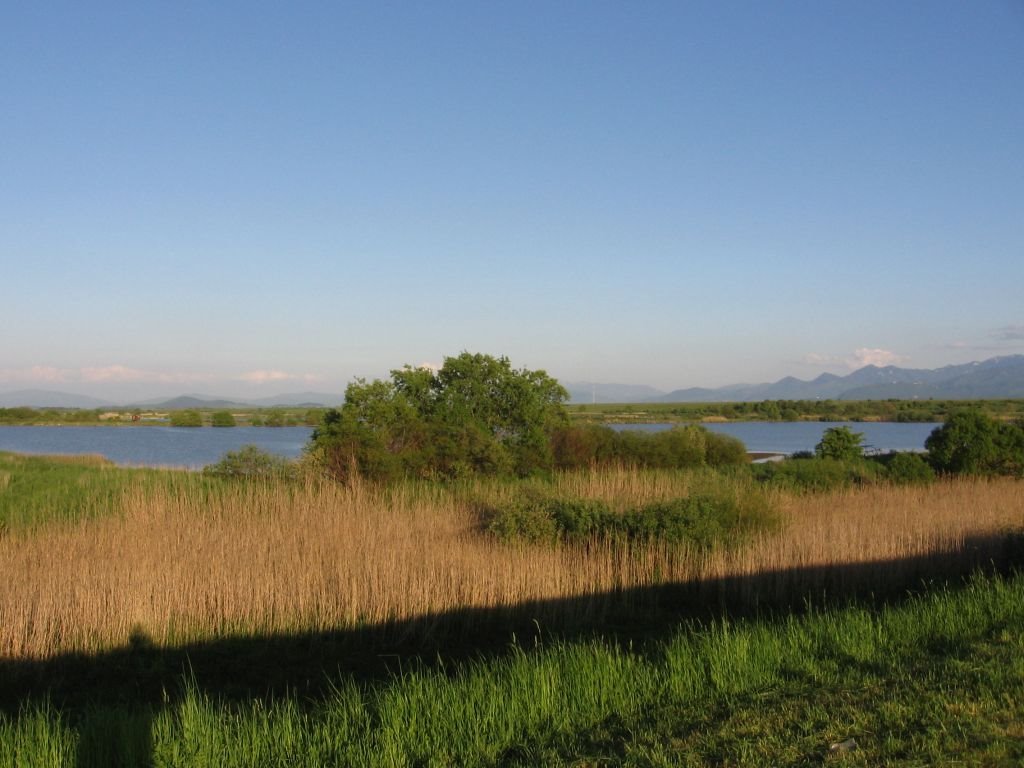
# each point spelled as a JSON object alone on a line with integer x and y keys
{"x": 141, "y": 677}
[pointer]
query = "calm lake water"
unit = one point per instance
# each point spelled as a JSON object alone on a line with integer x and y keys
{"x": 197, "y": 447}
{"x": 191, "y": 447}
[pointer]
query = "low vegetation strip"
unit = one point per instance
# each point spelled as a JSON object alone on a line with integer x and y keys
{"x": 934, "y": 680}
{"x": 894, "y": 410}
{"x": 701, "y": 521}
{"x": 188, "y": 558}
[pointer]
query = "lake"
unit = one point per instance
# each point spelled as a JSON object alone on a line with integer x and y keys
{"x": 196, "y": 447}
{"x": 191, "y": 447}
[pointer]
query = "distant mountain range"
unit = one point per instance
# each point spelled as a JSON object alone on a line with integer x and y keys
{"x": 591, "y": 392}
{"x": 38, "y": 398}
{"x": 41, "y": 398}
{"x": 994, "y": 378}
{"x": 292, "y": 400}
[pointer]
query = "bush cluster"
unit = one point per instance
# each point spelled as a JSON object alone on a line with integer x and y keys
{"x": 251, "y": 461}
{"x": 700, "y": 521}
{"x": 907, "y": 468}
{"x": 971, "y": 443}
{"x": 818, "y": 474}
{"x": 810, "y": 473}
{"x": 186, "y": 418}
{"x": 476, "y": 415}
{"x": 588, "y": 445}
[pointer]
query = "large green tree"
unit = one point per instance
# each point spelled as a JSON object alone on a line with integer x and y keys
{"x": 475, "y": 415}
{"x": 840, "y": 443}
{"x": 975, "y": 444}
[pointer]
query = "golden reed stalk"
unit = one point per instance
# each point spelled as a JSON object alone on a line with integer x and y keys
{"x": 179, "y": 567}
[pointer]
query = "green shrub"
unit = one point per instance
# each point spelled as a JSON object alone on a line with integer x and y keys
{"x": 840, "y": 443}
{"x": 251, "y": 461}
{"x": 186, "y": 419}
{"x": 724, "y": 450}
{"x": 817, "y": 474}
{"x": 476, "y": 415}
{"x": 581, "y": 518}
{"x": 222, "y": 419}
{"x": 972, "y": 443}
{"x": 680, "y": 447}
{"x": 702, "y": 521}
{"x": 908, "y": 469}
{"x": 528, "y": 517}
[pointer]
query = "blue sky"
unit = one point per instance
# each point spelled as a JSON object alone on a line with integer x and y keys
{"x": 251, "y": 198}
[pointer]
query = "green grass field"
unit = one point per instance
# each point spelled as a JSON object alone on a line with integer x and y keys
{"x": 36, "y": 490}
{"x": 936, "y": 680}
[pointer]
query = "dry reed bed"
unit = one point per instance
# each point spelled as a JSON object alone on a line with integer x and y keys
{"x": 273, "y": 559}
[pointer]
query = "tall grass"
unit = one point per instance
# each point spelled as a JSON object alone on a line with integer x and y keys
{"x": 179, "y": 563}
{"x": 757, "y": 693}
{"x": 37, "y": 490}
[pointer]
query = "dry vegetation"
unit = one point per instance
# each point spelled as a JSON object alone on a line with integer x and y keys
{"x": 276, "y": 558}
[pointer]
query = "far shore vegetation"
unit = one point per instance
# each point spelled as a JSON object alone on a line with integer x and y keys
{"x": 929, "y": 410}
{"x": 599, "y": 413}
{"x": 185, "y": 417}
{"x": 460, "y": 570}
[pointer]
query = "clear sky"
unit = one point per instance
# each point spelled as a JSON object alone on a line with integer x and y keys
{"x": 250, "y": 198}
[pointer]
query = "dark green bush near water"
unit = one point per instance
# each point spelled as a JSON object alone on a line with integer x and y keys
{"x": 817, "y": 474}
{"x": 249, "y": 462}
{"x": 907, "y": 468}
{"x": 701, "y": 521}
{"x": 587, "y": 445}
{"x": 188, "y": 418}
{"x": 840, "y": 443}
{"x": 805, "y": 472}
{"x": 222, "y": 419}
{"x": 971, "y": 443}
{"x": 477, "y": 415}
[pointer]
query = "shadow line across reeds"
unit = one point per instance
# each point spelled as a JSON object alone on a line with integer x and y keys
{"x": 273, "y": 593}
{"x": 308, "y": 664}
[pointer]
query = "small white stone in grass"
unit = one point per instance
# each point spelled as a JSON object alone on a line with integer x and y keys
{"x": 843, "y": 746}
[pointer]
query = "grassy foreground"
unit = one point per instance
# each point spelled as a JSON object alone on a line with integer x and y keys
{"x": 936, "y": 680}
{"x": 172, "y": 619}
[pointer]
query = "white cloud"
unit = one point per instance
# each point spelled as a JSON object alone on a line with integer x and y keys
{"x": 106, "y": 374}
{"x": 1009, "y": 333}
{"x": 116, "y": 373}
{"x": 858, "y": 359}
{"x": 37, "y": 374}
{"x": 124, "y": 374}
{"x": 263, "y": 377}
{"x": 880, "y": 357}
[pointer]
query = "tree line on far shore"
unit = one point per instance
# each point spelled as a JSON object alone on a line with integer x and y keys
{"x": 477, "y": 415}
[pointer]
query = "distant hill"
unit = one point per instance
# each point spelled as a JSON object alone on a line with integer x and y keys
{"x": 295, "y": 400}
{"x": 40, "y": 398}
{"x": 186, "y": 402}
{"x": 301, "y": 400}
{"x": 590, "y": 392}
{"x": 997, "y": 377}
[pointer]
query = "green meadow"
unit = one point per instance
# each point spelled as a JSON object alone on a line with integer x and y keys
{"x": 159, "y": 618}
{"x": 934, "y": 680}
